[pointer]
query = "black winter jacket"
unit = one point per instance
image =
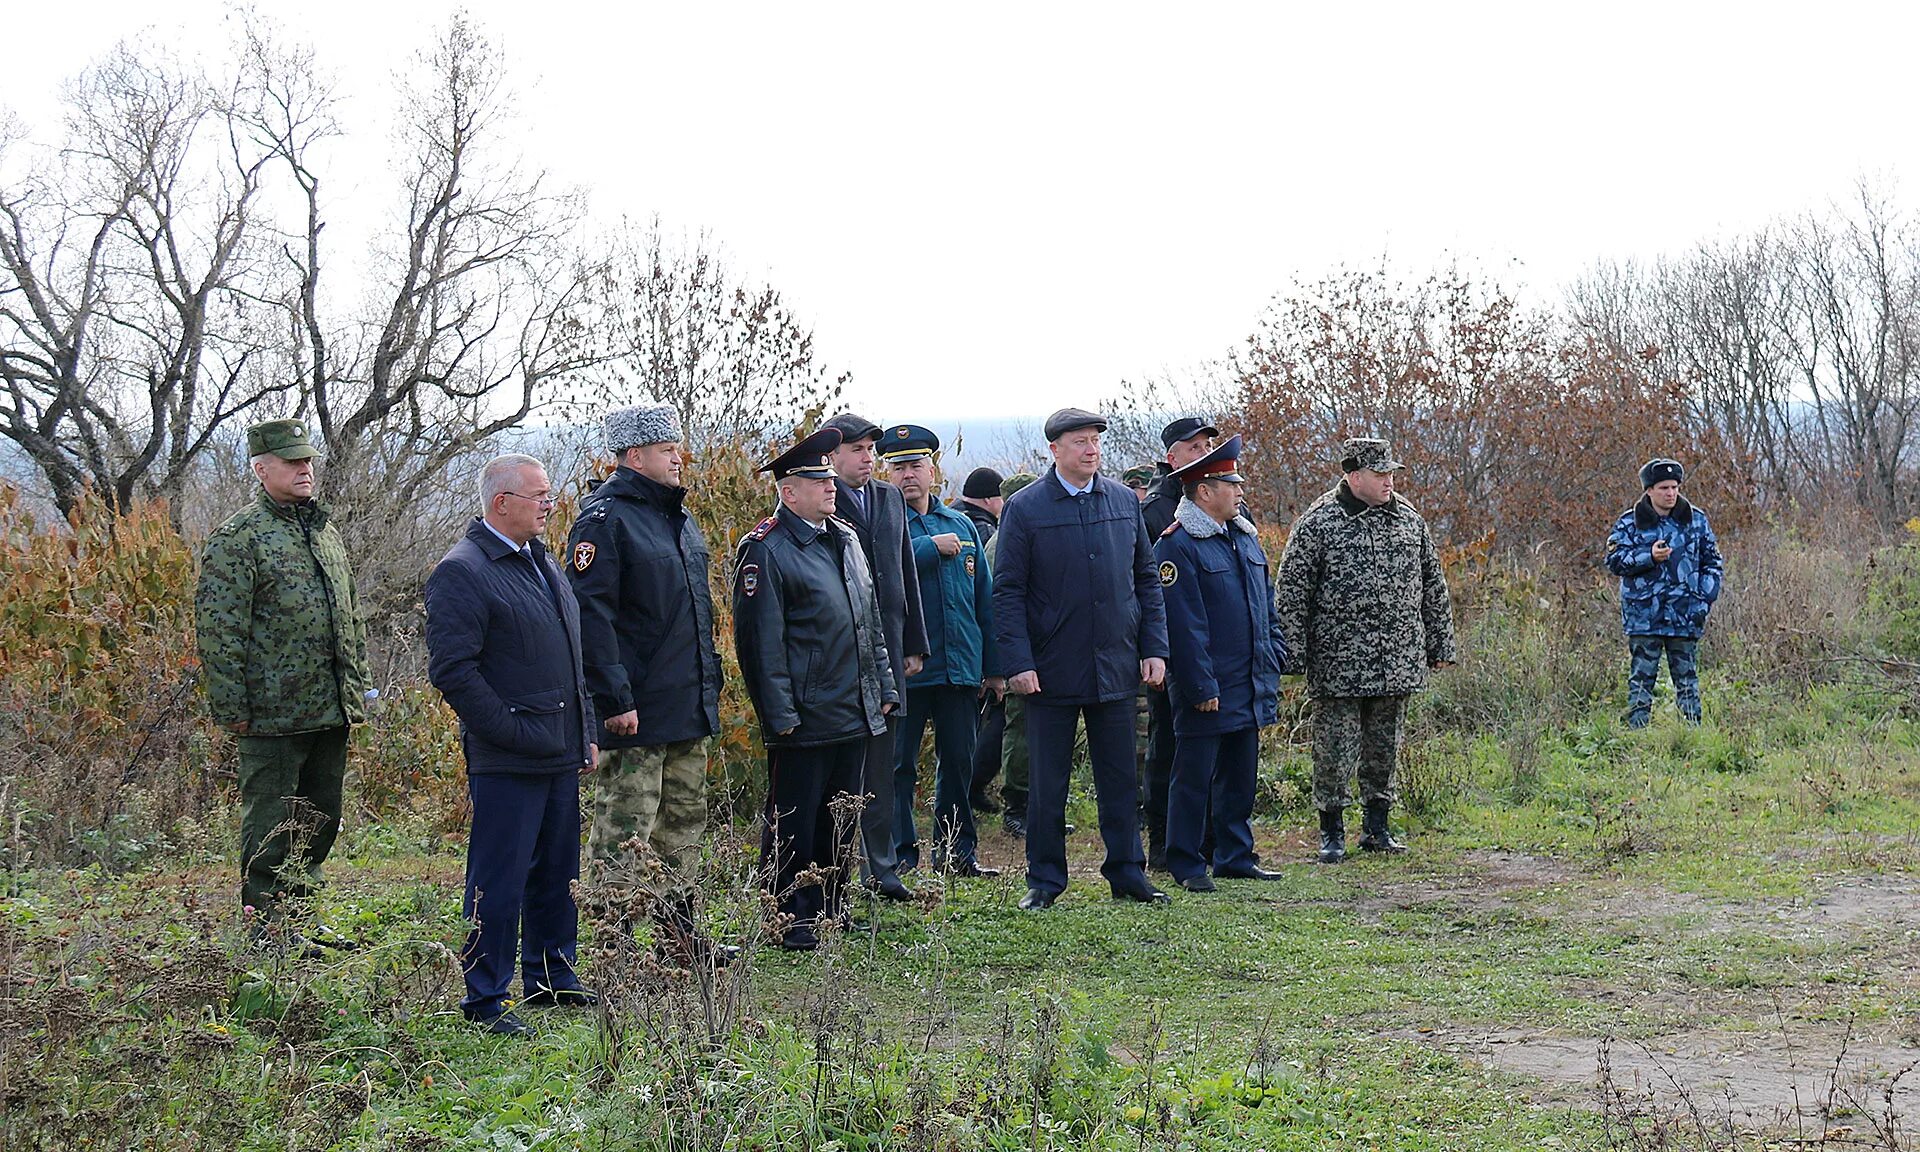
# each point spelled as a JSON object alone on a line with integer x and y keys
{"x": 639, "y": 567}
{"x": 505, "y": 652}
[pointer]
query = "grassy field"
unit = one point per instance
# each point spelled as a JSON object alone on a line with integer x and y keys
{"x": 1670, "y": 938}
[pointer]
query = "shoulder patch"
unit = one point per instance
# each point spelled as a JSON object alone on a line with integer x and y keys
{"x": 749, "y": 579}
{"x": 1169, "y": 572}
{"x": 583, "y": 555}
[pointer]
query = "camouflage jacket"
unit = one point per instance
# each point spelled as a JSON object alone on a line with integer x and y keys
{"x": 1673, "y": 597}
{"x": 282, "y": 645}
{"x": 1362, "y": 599}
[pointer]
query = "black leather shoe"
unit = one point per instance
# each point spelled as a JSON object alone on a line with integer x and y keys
{"x": 505, "y": 1024}
{"x": 1015, "y": 825}
{"x": 1333, "y": 836}
{"x": 1142, "y": 893}
{"x": 1200, "y": 883}
{"x": 1375, "y": 836}
{"x": 560, "y": 998}
{"x": 1253, "y": 872}
{"x": 972, "y": 869}
{"x": 799, "y": 938}
{"x": 1038, "y": 900}
{"x": 890, "y": 888}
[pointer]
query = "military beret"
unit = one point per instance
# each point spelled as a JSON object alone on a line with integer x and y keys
{"x": 1364, "y": 452}
{"x": 982, "y": 484}
{"x": 807, "y": 458}
{"x": 640, "y": 425}
{"x": 286, "y": 439}
{"x": 1660, "y": 468}
{"x": 1072, "y": 420}
{"x": 852, "y": 428}
{"x": 1185, "y": 428}
{"x": 904, "y": 442}
{"x": 1016, "y": 482}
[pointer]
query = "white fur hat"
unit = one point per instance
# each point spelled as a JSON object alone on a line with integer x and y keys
{"x": 639, "y": 425}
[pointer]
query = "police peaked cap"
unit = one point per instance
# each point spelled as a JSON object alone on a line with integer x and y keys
{"x": 1660, "y": 468}
{"x": 1185, "y": 428}
{"x": 904, "y": 442}
{"x": 807, "y": 458}
{"x": 1223, "y": 463}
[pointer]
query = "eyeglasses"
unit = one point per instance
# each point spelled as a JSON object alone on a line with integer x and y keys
{"x": 548, "y": 502}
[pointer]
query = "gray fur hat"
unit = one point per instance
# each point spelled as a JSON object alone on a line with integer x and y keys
{"x": 639, "y": 425}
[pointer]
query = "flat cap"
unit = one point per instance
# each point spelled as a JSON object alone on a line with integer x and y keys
{"x": 1016, "y": 482}
{"x": 1365, "y": 452}
{"x": 907, "y": 442}
{"x": 853, "y": 427}
{"x": 639, "y": 425}
{"x": 1661, "y": 468}
{"x": 807, "y": 458}
{"x": 1072, "y": 420}
{"x": 1186, "y": 428}
{"x": 287, "y": 439}
{"x": 982, "y": 484}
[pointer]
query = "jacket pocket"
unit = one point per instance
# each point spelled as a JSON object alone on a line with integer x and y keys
{"x": 540, "y": 724}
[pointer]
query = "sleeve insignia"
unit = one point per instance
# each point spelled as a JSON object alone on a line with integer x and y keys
{"x": 1168, "y": 573}
{"x": 969, "y": 563}
{"x": 583, "y": 555}
{"x": 750, "y": 579}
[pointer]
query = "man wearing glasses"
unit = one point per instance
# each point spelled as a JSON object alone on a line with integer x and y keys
{"x": 503, "y": 643}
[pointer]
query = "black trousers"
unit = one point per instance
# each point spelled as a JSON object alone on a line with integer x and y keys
{"x": 1110, "y": 745}
{"x": 879, "y": 857}
{"x": 800, "y": 833}
{"x": 1159, "y": 764}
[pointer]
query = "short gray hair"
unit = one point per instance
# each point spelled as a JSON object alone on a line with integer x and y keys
{"x": 498, "y": 475}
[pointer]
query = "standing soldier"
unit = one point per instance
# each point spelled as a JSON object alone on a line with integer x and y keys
{"x": 1013, "y": 742}
{"x": 1363, "y": 600}
{"x": 878, "y": 516}
{"x": 808, "y": 632}
{"x": 1185, "y": 440}
{"x": 1669, "y": 566}
{"x": 283, "y": 659}
{"x": 639, "y": 568}
{"x": 1226, "y": 654}
{"x": 1080, "y": 624}
{"x": 956, "y": 593}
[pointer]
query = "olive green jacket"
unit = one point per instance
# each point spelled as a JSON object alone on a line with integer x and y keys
{"x": 282, "y": 645}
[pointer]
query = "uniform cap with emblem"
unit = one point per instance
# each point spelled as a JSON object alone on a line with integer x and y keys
{"x": 1072, "y": 420}
{"x": 1223, "y": 463}
{"x": 286, "y": 439}
{"x": 639, "y": 425}
{"x": 807, "y": 458}
{"x": 1186, "y": 428}
{"x": 1138, "y": 476}
{"x": 1016, "y": 482}
{"x": 1366, "y": 452}
{"x": 852, "y": 428}
{"x": 907, "y": 442}
{"x": 1661, "y": 468}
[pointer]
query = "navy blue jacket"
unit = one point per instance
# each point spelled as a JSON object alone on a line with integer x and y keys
{"x": 1222, "y": 630}
{"x": 956, "y": 596}
{"x": 639, "y": 567}
{"x": 505, "y": 652}
{"x": 1670, "y": 598}
{"x": 1075, "y": 595}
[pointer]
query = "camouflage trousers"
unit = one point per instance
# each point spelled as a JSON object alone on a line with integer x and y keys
{"x": 1355, "y": 735}
{"x": 1645, "y": 673}
{"x": 657, "y": 793}
{"x": 289, "y": 812}
{"x": 1013, "y": 756}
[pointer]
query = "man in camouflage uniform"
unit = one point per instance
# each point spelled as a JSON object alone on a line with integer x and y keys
{"x": 1013, "y": 744}
{"x": 284, "y": 663}
{"x": 1668, "y": 561}
{"x": 1363, "y": 599}
{"x": 639, "y": 567}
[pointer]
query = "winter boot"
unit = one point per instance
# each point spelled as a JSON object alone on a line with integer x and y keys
{"x": 1375, "y": 835}
{"x": 1333, "y": 836}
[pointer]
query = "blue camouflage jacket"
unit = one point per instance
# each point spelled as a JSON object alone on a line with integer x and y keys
{"x": 956, "y": 598}
{"x": 1670, "y": 598}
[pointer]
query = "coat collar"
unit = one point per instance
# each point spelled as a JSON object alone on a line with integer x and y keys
{"x": 627, "y": 483}
{"x": 490, "y": 543}
{"x": 799, "y": 530}
{"x": 1644, "y": 517}
{"x": 1201, "y": 526}
{"x": 312, "y": 512}
{"x": 1354, "y": 506}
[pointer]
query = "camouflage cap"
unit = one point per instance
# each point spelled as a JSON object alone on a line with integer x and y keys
{"x": 286, "y": 439}
{"x": 1363, "y": 452}
{"x": 1138, "y": 476}
{"x": 1016, "y": 482}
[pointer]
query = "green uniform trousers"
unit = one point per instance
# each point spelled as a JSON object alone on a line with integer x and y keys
{"x": 289, "y": 812}
{"x": 658, "y": 794}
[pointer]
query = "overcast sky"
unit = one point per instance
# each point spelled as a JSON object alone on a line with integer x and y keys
{"x": 994, "y": 210}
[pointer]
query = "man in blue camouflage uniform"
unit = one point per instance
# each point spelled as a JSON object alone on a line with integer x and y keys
{"x": 1669, "y": 566}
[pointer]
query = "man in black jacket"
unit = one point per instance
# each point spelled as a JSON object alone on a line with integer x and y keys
{"x": 1186, "y": 440}
{"x": 639, "y": 567}
{"x": 809, "y": 635}
{"x": 503, "y": 644}
{"x": 878, "y": 515}
{"x": 980, "y": 499}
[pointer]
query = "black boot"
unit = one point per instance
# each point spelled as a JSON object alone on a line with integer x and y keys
{"x": 1333, "y": 836}
{"x": 1375, "y": 836}
{"x": 679, "y": 940}
{"x": 1156, "y": 852}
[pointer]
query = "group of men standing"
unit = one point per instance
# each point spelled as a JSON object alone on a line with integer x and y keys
{"x": 864, "y": 612}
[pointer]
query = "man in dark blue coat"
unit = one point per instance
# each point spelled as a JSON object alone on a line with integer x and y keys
{"x": 1080, "y": 623}
{"x": 503, "y": 643}
{"x": 878, "y": 515}
{"x": 639, "y": 566}
{"x": 1223, "y": 675}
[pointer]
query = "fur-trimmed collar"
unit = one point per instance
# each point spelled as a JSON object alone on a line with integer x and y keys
{"x": 1200, "y": 526}
{"x": 1354, "y": 506}
{"x": 1644, "y": 517}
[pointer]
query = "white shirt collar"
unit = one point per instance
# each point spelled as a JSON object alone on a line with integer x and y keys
{"x": 505, "y": 539}
{"x": 1071, "y": 490}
